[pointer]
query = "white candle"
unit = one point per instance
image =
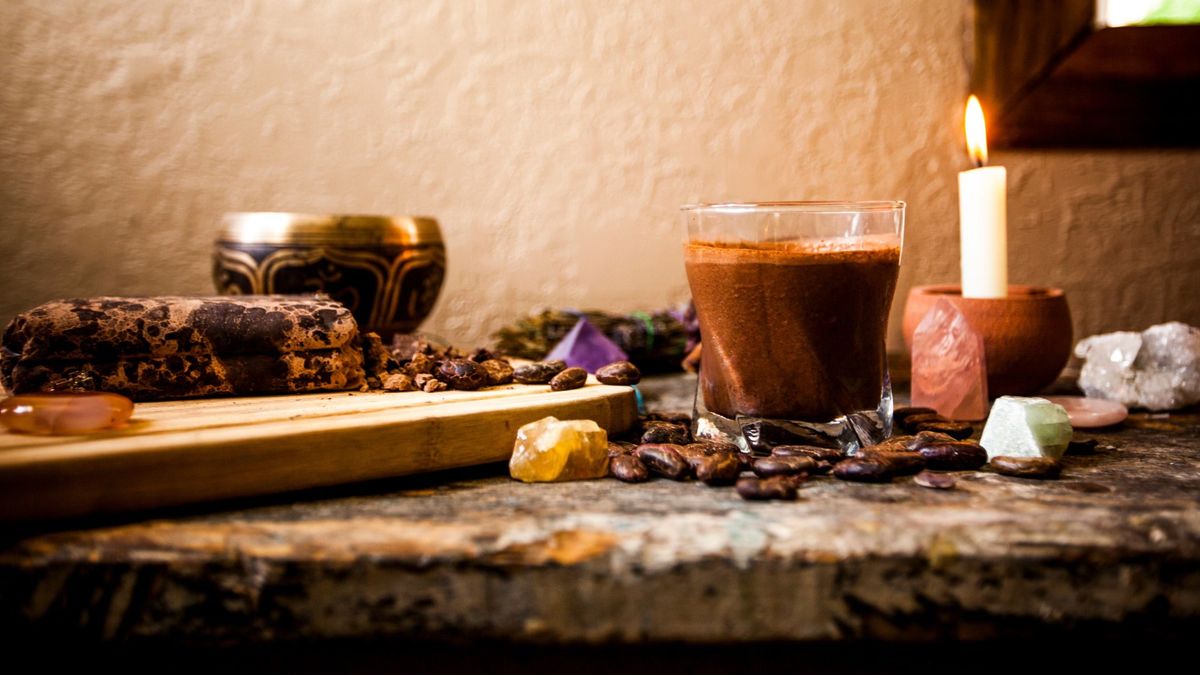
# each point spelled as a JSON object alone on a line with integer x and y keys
{"x": 982, "y": 216}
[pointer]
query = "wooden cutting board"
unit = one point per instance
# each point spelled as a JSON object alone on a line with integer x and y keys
{"x": 178, "y": 452}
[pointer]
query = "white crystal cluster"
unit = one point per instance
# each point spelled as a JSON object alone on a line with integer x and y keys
{"x": 1156, "y": 369}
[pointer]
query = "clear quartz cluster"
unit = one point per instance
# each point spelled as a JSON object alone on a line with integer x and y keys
{"x": 1156, "y": 369}
{"x": 1021, "y": 426}
{"x": 551, "y": 449}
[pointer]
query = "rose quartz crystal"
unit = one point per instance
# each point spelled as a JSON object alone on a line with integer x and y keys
{"x": 949, "y": 373}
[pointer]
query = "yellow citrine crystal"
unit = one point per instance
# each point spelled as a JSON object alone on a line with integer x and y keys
{"x": 551, "y": 449}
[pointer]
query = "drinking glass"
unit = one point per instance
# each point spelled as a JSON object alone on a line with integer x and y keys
{"x": 793, "y": 301}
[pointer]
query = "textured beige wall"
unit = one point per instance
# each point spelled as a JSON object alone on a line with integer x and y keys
{"x": 554, "y": 140}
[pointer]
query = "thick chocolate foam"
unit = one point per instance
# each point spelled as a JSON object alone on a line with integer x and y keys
{"x": 792, "y": 330}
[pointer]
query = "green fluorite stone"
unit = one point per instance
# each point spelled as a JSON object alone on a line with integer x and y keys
{"x": 1026, "y": 427}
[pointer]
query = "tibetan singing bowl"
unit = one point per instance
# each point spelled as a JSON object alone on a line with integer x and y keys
{"x": 387, "y": 270}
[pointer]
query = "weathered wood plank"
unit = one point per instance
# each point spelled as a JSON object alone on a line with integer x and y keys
{"x": 1111, "y": 548}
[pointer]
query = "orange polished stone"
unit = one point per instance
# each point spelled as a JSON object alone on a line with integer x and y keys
{"x": 52, "y": 414}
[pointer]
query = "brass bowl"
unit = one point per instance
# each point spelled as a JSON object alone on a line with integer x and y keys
{"x": 387, "y": 270}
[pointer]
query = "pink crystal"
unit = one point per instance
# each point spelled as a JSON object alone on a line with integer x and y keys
{"x": 949, "y": 373}
{"x": 586, "y": 347}
{"x": 64, "y": 413}
{"x": 1088, "y": 413}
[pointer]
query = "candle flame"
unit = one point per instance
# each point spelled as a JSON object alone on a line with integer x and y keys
{"x": 976, "y": 132}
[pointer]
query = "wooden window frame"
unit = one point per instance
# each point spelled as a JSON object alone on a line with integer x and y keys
{"x": 1050, "y": 76}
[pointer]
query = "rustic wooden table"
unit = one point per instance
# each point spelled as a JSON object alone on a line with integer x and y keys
{"x": 1113, "y": 548}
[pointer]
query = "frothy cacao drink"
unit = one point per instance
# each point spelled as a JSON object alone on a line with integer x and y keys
{"x": 792, "y": 330}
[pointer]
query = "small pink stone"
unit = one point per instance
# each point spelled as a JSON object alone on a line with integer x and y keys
{"x": 1088, "y": 413}
{"x": 949, "y": 373}
{"x": 57, "y": 414}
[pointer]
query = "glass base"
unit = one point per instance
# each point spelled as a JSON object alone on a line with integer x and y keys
{"x": 757, "y": 435}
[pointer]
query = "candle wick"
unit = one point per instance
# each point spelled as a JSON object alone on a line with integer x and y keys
{"x": 977, "y": 161}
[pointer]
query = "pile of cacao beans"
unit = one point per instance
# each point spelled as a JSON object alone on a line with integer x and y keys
{"x": 420, "y": 365}
{"x": 930, "y": 448}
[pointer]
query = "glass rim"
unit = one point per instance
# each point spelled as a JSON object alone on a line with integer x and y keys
{"x": 873, "y": 206}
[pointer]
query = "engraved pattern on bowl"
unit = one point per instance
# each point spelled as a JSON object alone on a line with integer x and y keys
{"x": 387, "y": 271}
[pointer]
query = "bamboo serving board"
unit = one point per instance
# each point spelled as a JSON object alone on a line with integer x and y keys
{"x": 178, "y": 452}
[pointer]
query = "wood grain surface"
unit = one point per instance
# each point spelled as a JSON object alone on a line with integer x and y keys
{"x": 177, "y": 452}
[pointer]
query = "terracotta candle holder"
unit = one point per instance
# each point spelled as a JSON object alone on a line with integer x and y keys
{"x": 1026, "y": 337}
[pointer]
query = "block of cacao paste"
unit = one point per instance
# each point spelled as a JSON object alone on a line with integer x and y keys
{"x": 195, "y": 375}
{"x": 177, "y": 347}
{"x": 107, "y": 328}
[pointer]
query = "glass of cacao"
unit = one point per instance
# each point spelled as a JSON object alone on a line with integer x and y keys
{"x": 793, "y": 301}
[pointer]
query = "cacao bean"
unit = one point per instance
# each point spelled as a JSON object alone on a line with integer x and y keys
{"x": 665, "y": 432}
{"x": 777, "y": 487}
{"x": 901, "y": 415}
{"x": 663, "y": 459}
{"x": 714, "y": 447}
{"x": 571, "y": 378}
{"x": 935, "y": 480}
{"x": 1026, "y": 467}
{"x": 954, "y": 456}
{"x": 765, "y": 467}
{"x": 899, "y": 463}
{"x": 619, "y": 373}
{"x": 718, "y": 469}
{"x": 462, "y": 374}
{"x": 822, "y": 454}
{"x": 694, "y": 454}
{"x": 862, "y": 471}
{"x": 620, "y": 448}
{"x": 705, "y": 449}
{"x": 924, "y": 438}
{"x": 540, "y": 372}
{"x": 890, "y": 445}
{"x": 957, "y": 430}
{"x": 628, "y": 468}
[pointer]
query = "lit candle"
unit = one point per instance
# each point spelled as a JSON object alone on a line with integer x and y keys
{"x": 982, "y": 216}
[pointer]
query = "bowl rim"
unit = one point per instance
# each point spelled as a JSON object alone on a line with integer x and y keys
{"x": 1016, "y": 292}
{"x": 295, "y": 228}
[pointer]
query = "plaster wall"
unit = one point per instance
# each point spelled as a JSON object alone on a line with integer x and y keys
{"x": 553, "y": 140}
